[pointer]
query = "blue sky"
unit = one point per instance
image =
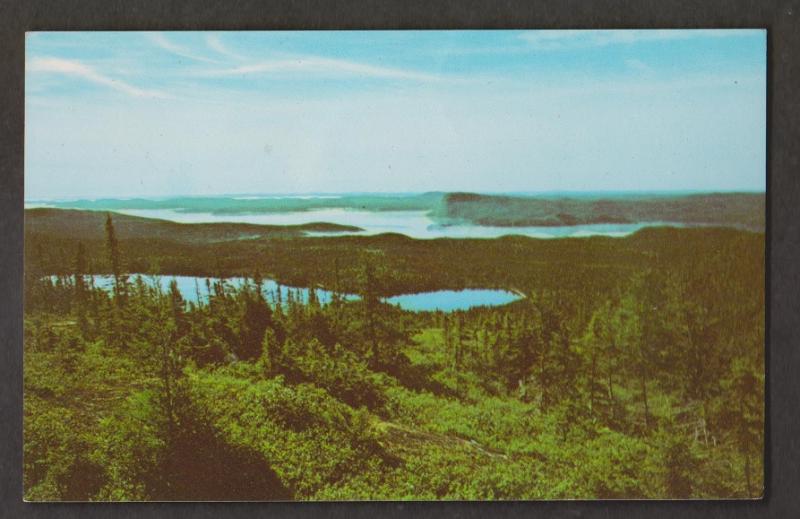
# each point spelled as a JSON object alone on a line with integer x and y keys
{"x": 198, "y": 113}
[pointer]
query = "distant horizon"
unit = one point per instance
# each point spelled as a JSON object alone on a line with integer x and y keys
{"x": 319, "y": 194}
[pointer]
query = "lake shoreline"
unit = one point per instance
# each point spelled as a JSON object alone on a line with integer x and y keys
{"x": 198, "y": 289}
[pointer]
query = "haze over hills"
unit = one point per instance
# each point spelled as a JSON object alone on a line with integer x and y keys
{"x": 231, "y": 204}
{"x": 737, "y": 210}
{"x": 741, "y": 210}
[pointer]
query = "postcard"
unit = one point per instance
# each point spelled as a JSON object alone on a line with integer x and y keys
{"x": 394, "y": 265}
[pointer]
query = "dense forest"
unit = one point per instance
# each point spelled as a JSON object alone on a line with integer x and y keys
{"x": 632, "y": 368}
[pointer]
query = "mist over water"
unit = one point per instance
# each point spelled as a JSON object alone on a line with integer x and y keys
{"x": 414, "y": 224}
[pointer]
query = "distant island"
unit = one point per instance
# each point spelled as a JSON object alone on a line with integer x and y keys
{"x": 740, "y": 210}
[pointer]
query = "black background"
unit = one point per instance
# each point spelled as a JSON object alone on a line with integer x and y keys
{"x": 782, "y": 498}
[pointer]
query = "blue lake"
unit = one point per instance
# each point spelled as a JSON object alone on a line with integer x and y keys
{"x": 450, "y": 300}
{"x": 196, "y": 289}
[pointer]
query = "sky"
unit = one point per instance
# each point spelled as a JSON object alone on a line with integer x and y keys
{"x": 137, "y": 114}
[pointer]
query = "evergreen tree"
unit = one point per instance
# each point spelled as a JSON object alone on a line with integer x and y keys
{"x": 178, "y": 308}
{"x": 369, "y": 304}
{"x": 120, "y": 280}
{"x": 256, "y": 319}
{"x": 80, "y": 288}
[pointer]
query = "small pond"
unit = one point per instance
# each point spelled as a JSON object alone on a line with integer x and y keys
{"x": 450, "y": 300}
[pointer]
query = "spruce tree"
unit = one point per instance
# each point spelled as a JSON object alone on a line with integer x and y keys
{"x": 120, "y": 280}
{"x": 255, "y": 321}
{"x": 80, "y": 287}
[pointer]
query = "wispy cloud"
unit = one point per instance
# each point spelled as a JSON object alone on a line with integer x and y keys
{"x": 321, "y": 66}
{"x": 574, "y": 39}
{"x": 215, "y": 43}
{"x": 306, "y": 65}
{"x": 85, "y": 72}
{"x": 164, "y": 43}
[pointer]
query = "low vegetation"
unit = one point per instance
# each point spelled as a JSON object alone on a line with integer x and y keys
{"x": 634, "y": 367}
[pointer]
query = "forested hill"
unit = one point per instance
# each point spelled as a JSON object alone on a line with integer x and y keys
{"x": 739, "y": 210}
{"x": 72, "y": 222}
{"x": 512, "y": 262}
